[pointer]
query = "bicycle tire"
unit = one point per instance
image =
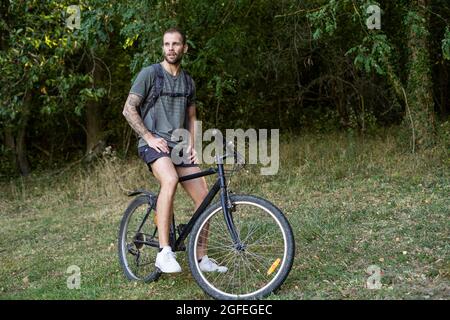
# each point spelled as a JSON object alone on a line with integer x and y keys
{"x": 129, "y": 248}
{"x": 257, "y": 220}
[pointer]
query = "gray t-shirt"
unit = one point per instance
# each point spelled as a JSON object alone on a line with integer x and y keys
{"x": 168, "y": 113}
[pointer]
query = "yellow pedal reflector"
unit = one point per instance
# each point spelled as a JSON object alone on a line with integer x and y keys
{"x": 273, "y": 267}
{"x": 155, "y": 219}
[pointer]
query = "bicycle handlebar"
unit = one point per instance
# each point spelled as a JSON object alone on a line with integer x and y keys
{"x": 229, "y": 147}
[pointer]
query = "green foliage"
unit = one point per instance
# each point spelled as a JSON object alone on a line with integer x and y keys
{"x": 39, "y": 59}
{"x": 416, "y": 23}
{"x": 142, "y": 24}
{"x": 324, "y": 19}
{"x": 446, "y": 44}
{"x": 373, "y": 54}
{"x": 273, "y": 64}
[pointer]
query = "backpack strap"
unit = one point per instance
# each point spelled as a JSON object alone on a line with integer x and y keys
{"x": 189, "y": 86}
{"x": 189, "y": 92}
{"x": 155, "y": 92}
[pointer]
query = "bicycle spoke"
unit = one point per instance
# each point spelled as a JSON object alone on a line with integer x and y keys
{"x": 251, "y": 269}
{"x": 139, "y": 240}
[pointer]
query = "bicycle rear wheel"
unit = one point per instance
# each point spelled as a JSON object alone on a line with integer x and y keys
{"x": 138, "y": 242}
{"x": 255, "y": 270}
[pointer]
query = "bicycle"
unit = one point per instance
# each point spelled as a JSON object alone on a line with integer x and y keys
{"x": 247, "y": 234}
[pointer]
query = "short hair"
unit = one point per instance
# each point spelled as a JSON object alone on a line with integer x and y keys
{"x": 175, "y": 30}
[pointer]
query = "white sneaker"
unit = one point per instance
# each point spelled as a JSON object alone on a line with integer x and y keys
{"x": 165, "y": 261}
{"x": 210, "y": 265}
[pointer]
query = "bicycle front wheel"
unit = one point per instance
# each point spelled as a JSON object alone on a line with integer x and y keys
{"x": 259, "y": 266}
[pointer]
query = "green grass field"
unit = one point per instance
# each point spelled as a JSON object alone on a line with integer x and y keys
{"x": 353, "y": 202}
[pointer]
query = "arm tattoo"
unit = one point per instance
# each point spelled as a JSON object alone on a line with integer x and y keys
{"x": 130, "y": 111}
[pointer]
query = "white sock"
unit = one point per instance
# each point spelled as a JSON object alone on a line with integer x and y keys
{"x": 166, "y": 248}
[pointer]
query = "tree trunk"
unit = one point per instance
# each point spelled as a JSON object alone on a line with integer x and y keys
{"x": 21, "y": 147}
{"x": 16, "y": 141}
{"x": 444, "y": 88}
{"x": 94, "y": 143}
{"x": 11, "y": 145}
{"x": 21, "y": 150}
{"x": 93, "y": 126}
{"x": 4, "y": 7}
{"x": 420, "y": 109}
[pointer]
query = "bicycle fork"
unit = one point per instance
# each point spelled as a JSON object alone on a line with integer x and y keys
{"x": 227, "y": 206}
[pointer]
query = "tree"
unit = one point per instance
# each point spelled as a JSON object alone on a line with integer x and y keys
{"x": 381, "y": 52}
{"x": 40, "y": 79}
{"x": 420, "y": 115}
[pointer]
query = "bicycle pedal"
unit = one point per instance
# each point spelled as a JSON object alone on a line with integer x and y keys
{"x": 139, "y": 240}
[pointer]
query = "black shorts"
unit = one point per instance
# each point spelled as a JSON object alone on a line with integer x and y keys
{"x": 150, "y": 155}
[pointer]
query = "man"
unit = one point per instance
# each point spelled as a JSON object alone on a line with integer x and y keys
{"x": 173, "y": 109}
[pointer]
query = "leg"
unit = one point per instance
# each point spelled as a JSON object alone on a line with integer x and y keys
{"x": 197, "y": 189}
{"x": 165, "y": 172}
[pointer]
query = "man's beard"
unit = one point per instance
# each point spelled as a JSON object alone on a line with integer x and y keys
{"x": 176, "y": 61}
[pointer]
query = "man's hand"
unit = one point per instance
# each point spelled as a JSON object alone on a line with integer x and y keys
{"x": 192, "y": 154}
{"x": 159, "y": 144}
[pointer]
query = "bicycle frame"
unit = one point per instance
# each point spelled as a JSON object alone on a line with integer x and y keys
{"x": 220, "y": 184}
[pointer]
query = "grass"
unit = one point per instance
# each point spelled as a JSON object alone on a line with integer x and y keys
{"x": 353, "y": 202}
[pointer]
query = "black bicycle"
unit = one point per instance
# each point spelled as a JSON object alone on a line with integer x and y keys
{"x": 248, "y": 235}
